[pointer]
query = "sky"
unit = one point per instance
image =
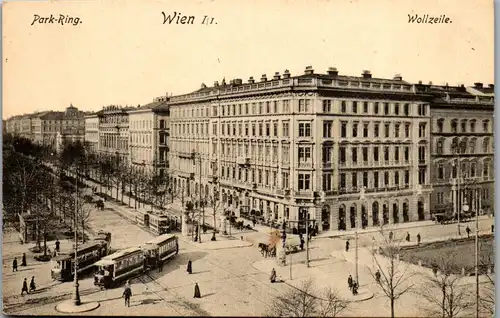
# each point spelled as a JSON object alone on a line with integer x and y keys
{"x": 123, "y": 54}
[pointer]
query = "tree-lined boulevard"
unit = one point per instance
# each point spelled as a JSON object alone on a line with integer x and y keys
{"x": 233, "y": 276}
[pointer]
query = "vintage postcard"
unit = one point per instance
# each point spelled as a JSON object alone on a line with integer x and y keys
{"x": 248, "y": 158}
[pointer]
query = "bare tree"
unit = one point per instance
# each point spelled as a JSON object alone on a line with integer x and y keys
{"x": 395, "y": 275}
{"x": 307, "y": 301}
{"x": 487, "y": 292}
{"x": 443, "y": 292}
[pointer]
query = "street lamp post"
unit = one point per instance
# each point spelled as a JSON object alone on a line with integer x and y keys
{"x": 362, "y": 198}
{"x": 76, "y": 292}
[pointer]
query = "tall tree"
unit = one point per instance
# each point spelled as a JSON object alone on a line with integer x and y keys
{"x": 444, "y": 293}
{"x": 396, "y": 275}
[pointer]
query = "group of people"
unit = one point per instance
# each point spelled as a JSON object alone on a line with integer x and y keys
{"x": 32, "y": 286}
{"x": 14, "y": 263}
{"x": 353, "y": 285}
{"x": 407, "y": 237}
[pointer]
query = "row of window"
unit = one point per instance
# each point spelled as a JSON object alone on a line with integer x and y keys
{"x": 454, "y": 124}
{"x": 113, "y": 119}
{"x": 467, "y": 170}
{"x": 484, "y": 192}
{"x": 375, "y": 152}
{"x": 304, "y": 105}
{"x": 365, "y": 133}
{"x": 120, "y": 143}
{"x": 133, "y": 260}
{"x": 464, "y": 146}
{"x": 369, "y": 179}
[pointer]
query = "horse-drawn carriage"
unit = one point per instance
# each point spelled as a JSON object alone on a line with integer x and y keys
{"x": 445, "y": 218}
{"x": 267, "y": 250}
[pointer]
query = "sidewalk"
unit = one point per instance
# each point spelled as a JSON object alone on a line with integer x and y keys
{"x": 389, "y": 227}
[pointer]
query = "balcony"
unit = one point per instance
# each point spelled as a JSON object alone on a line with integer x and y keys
{"x": 304, "y": 193}
{"x": 305, "y": 165}
{"x": 186, "y": 155}
{"x": 243, "y": 161}
{"x": 327, "y": 165}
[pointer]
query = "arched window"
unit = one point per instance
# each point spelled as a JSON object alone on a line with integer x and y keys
{"x": 454, "y": 146}
{"x": 486, "y": 124}
{"x": 463, "y": 145}
{"x": 472, "y": 146}
{"x": 440, "y": 123}
{"x": 486, "y": 145}
{"x": 375, "y": 213}
{"x": 472, "y": 169}
{"x": 463, "y": 126}
{"x": 454, "y": 124}
{"x": 439, "y": 147}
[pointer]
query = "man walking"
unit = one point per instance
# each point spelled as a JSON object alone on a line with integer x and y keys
{"x": 25, "y": 287}
{"x": 347, "y": 246}
{"x": 467, "y": 229}
{"x": 418, "y": 239}
{"x": 349, "y": 282}
{"x": 23, "y": 261}
{"x": 14, "y": 265}
{"x": 127, "y": 293}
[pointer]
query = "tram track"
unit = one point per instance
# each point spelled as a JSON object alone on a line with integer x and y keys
{"x": 177, "y": 299}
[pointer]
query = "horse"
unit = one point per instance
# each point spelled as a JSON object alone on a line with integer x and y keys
{"x": 263, "y": 249}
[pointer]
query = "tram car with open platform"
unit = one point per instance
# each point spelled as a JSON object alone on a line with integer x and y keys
{"x": 63, "y": 265}
{"x": 156, "y": 223}
{"x": 160, "y": 249}
{"x": 117, "y": 267}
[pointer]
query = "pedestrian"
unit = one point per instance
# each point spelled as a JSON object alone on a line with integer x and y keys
{"x": 197, "y": 293}
{"x": 458, "y": 227}
{"x": 302, "y": 243}
{"x": 273, "y": 276}
{"x": 377, "y": 276}
{"x": 418, "y": 239}
{"x": 160, "y": 267}
{"x": 407, "y": 236}
{"x": 14, "y": 265}
{"x": 58, "y": 246}
{"x": 23, "y": 261}
{"x": 349, "y": 282}
{"x": 253, "y": 222}
{"x": 347, "y": 246}
{"x": 467, "y": 229}
{"x": 354, "y": 288}
{"x": 492, "y": 228}
{"x": 189, "y": 268}
{"x": 32, "y": 284}
{"x": 390, "y": 235}
{"x": 127, "y": 293}
{"x": 25, "y": 287}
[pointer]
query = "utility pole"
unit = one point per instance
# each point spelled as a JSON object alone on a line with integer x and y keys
{"x": 200, "y": 204}
{"x": 76, "y": 292}
{"x": 478, "y": 207}
{"x": 362, "y": 197}
{"x": 307, "y": 238}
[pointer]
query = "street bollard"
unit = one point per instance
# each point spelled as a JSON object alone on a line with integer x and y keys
{"x": 420, "y": 263}
{"x": 463, "y": 271}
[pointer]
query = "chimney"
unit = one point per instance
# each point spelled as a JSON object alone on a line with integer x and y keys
{"x": 238, "y": 81}
{"x": 332, "y": 71}
{"x": 276, "y": 76}
{"x": 251, "y": 80}
{"x": 366, "y": 74}
{"x": 309, "y": 70}
{"x": 419, "y": 82}
{"x": 478, "y": 85}
{"x": 398, "y": 77}
{"x": 263, "y": 78}
{"x": 216, "y": 83}
{"x": 286, "y": 74}
{"x": 203, "y": 85}
{"x": 492, "y": 86}
{"x": 231, "y": 82}
{"x": 430, "y": 82}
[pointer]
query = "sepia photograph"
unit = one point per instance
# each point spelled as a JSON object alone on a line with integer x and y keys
{"x": 248, "y": 158}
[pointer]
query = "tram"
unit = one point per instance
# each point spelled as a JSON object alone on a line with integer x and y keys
{"x": 160, "y": 249}
{"x": 63, "y": 265}
{"x": 119, "y": 266}
{"x": 156, "y": 223}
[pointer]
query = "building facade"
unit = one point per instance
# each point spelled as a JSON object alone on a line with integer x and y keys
{"x": 347, "y": 151}
{"x": 462, "y": 148}
{"x": 92, "y": 132}
{"x": 114, "y": 132}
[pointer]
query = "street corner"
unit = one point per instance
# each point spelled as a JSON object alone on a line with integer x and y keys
{"x": 362, "y": 295}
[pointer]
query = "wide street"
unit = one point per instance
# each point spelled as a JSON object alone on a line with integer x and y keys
{"x": 233, "y": 281}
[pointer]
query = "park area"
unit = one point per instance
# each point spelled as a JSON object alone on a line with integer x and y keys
{"x": 460, "y": 251}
